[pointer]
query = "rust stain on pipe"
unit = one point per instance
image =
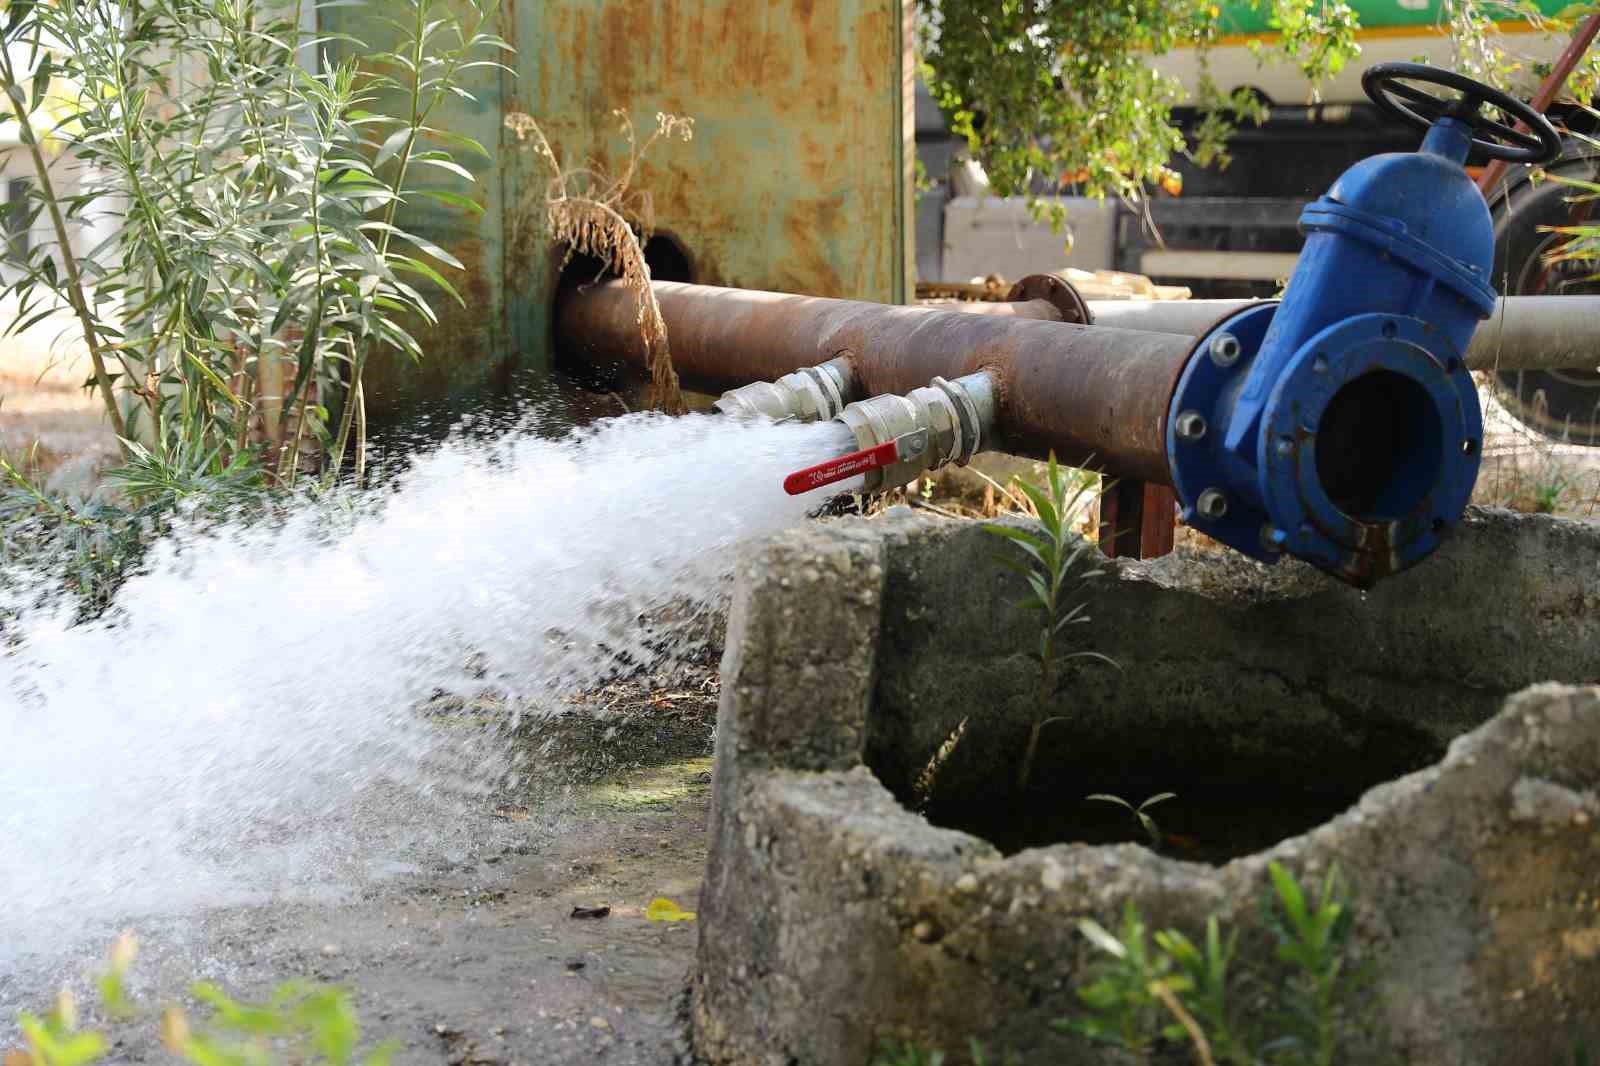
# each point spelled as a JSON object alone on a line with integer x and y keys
{"x": 1086, "y": 393}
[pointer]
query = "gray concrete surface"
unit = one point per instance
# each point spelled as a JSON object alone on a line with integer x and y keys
{"x": 832, "y": 916}
{"x": 468, "y": 956}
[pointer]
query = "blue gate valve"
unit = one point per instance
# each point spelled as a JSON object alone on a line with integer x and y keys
{"x": 1340, "y": 425}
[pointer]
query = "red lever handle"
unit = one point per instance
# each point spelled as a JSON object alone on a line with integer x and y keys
{"x": 841, "y": 467}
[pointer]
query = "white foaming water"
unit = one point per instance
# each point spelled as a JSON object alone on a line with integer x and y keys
{"x": 247, "y": 723}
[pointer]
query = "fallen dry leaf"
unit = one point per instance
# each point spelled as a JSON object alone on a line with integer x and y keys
{"x": 662, "y": 909}
{"x": 174, "y": 1030}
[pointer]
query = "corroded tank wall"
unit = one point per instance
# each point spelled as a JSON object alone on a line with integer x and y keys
{"x": 798, "y": 177}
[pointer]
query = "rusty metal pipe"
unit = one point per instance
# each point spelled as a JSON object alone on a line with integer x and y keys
{"x": 1083, "y": 392}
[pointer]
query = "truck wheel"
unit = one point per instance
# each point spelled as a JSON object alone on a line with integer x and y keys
{"x": 1561, "y": 404}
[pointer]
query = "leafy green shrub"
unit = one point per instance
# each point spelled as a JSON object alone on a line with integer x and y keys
{"x": 259, "y": 231}
{"x": 91, "y": 545}
{"x": 260, "y": 217}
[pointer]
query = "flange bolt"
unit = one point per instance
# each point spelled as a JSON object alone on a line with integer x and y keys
{"x": 1191, "y": 426}
{"x": 1225, "y": 349}
{"x": 1212, "y": 504}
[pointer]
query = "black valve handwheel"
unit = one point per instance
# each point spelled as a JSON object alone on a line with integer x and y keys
{"x": 1386, "y": 85}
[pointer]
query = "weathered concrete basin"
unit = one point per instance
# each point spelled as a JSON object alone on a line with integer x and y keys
{"x": 833, "y": 916}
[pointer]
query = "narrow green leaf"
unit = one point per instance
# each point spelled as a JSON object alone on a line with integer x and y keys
{"x": 417, "y": 266}
{"x": 446, "y": 164}
{"x": 1041, "y": 503}
{"x": 1289, "y": 895}
{"x": 450, "y": 199}
{"x": 391, "y": 146}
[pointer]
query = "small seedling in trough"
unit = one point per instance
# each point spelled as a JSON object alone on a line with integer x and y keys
{"x": 1053, "y": 552}
{"x": 1152, "y": 830}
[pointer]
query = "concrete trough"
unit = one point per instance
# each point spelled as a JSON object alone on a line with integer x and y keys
{"x": 1391, "y": 733}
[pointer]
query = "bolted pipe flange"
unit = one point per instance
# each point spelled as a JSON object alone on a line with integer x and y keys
{"x": 1355, "y": 452}
{"x": 1190, "y": 426}
{"x": 1058, "y": 292}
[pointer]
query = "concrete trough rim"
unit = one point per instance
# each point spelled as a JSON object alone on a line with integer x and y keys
{"x": 828, "y": 899}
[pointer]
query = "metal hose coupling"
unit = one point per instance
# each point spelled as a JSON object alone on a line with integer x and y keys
{"x": 902, "y": 437}
{"x": 814, "y": 394}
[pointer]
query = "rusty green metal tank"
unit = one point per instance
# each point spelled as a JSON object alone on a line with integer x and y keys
{"x": 797, "y": 179}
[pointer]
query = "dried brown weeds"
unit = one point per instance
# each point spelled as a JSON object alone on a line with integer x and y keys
{"x": 601, "y": 215}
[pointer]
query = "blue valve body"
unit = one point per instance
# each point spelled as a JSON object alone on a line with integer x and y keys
{"x": 1346, "y": 429}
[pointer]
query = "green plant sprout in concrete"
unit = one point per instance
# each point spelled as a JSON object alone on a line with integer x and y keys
{"x": 1054, "y": 553}
{"x": 1152, "y": 830}
{"x": 301, "y": 1023}
{"x": 1176, "y": 991}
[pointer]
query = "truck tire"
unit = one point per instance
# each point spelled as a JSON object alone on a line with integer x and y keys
{"x": 1563, "y": 405}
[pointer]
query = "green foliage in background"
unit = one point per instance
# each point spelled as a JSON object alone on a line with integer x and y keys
{"x": 1049, "y": 93}
{"x": 258, "y": 203}
{"x": 1107, "y": 126}
{"x": 1295, "y": 1010}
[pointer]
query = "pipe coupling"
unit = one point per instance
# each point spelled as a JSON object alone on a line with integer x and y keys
{"x": 814, "y": 394}
{"x": 943, "y": 422}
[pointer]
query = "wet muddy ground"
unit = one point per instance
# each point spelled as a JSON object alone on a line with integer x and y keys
{"x": 480, "y": 961}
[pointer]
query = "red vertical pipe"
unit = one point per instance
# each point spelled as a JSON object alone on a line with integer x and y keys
{"x": 1548, "y": 90}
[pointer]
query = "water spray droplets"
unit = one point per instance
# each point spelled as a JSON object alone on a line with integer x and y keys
{"x": 251, "y": 720}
